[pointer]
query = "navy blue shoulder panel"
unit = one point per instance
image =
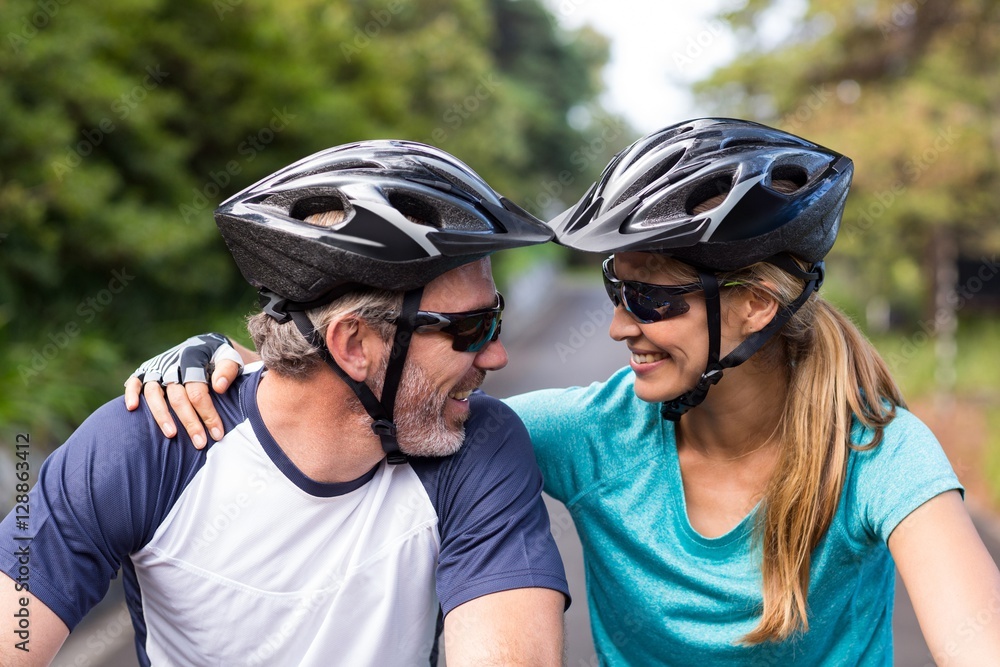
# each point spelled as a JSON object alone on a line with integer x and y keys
{"x": 98, "y": 498}
{"x": 493, "y": 523}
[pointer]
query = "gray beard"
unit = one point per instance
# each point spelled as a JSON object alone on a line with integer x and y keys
{"x": 421, "y": 426}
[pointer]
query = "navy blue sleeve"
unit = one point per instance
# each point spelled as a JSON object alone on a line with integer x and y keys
{"x": 98, "y": 497}
{"x": 494, "y": 527}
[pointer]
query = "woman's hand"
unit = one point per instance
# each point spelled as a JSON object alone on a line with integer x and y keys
{"x": 183, "y": 371}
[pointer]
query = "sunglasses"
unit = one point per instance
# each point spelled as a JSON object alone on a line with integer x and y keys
{"x": 470, "y": 331}
{"x": 646, "y": 302}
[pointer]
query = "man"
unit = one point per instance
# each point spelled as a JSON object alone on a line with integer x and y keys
{"x": 341, "y": 514}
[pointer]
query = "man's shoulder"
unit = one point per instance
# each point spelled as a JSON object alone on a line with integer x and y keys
{"x": 496, "y": 443}
{"x": 491, "y": 414}
{"x": 115, "y": 449}
{"x": 494, "y": 429}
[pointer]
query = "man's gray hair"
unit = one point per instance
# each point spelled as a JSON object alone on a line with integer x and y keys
{"x": 286, "y": 352}
{"x": 283, "y": 348}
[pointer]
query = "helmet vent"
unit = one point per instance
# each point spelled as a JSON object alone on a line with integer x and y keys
{"x": 788, "y": 178}
{"x": 736, "y": 142}
{"x": 636, "y": 156}
{"x": 329, "y": 219}
{"x": 349, "y": 165}
{"x": 441, "y": 173}
{"x": 652, "y": 175}
{"x": 314, "y": 206}
{"x": 415, "y": 210}
{"x": 708, "y": 195}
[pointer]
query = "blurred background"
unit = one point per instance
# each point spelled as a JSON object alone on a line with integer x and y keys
{"x": 126, "y": 122}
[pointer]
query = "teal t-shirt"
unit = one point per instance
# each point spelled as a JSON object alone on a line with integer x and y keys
{"x": 662, "y": 594}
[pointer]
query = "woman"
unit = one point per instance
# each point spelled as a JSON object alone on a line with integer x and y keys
{"x": 746, "y": 488}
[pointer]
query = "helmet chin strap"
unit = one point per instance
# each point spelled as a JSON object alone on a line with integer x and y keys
{"x": 381, "y": 411}
{"x": 674, "y": 409}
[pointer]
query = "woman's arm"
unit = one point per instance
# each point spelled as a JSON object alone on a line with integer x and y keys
{"x": 191, "y": 400}
{"x": 952, "y": 581}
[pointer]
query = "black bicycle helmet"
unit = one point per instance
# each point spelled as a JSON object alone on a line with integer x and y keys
{"x": 647, "y": 196}
{"x": 377, "y": 184}
{"x": 719, "y": 194}
{"x": 411, "y": 212}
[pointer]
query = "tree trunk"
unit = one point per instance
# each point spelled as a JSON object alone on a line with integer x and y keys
{"x": 945, "y": 257}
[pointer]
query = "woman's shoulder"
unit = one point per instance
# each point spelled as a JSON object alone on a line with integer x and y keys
{"x": 578, "y": 403}
{"x": 904, "y": 430}
{"x": 890, "y": 477}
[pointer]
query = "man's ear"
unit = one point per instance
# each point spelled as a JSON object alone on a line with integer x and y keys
{"x": 354, "y": 346}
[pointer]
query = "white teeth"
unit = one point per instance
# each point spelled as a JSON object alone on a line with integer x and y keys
{"x": 460, "y": 395}
{"x": 647, "y": 358}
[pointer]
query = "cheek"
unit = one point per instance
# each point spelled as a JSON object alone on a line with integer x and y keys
{"x": 685, "y": 339}
{"x": 448, "y": 371}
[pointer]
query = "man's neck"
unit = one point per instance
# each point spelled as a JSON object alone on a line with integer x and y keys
{"x": 310, "y": 421}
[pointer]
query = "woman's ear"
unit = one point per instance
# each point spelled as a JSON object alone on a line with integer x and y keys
{"x": 757, "y": 308}
{"x": 352, "y": 344}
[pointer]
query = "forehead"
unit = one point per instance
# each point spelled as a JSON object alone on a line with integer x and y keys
{"x": 651, "y": 267}
{"x": 469, "y": 287}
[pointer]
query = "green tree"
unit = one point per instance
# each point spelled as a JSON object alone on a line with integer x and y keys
{"x": 128, "y": 121}
{"x": 911, "y": 91}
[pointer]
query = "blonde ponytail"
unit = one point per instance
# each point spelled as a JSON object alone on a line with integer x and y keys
{"x": 835, "y": 375}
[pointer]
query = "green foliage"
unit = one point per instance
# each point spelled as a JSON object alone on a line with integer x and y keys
{"x": 910, "y": 355}
{"x": 128, "y": 121}
{"x": 910, "y": 92}
{"x": 992, "y": 457}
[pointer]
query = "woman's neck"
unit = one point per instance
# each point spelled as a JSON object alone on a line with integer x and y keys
{"x": 740, "y": 415}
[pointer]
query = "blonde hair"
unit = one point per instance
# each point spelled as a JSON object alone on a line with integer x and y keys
{"x": 834, "y": 376}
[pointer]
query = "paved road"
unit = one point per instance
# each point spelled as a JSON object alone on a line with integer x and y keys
{"x": 560, "y": 341}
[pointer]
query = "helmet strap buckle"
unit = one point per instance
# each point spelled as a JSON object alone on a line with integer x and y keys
{"x": 273, "y": 305}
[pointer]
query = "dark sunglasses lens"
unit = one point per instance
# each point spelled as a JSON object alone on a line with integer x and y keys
{"x": 648, "y": 308}
{"x": 647, "y": 303}
{"x": 473, "y": 333}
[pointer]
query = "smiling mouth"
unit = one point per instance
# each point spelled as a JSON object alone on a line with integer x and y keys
{"x": 461, "y": 395}
{"x": 647, "y": 358}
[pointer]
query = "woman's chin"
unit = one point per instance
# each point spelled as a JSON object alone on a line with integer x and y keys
{"x": 650, "y": 393}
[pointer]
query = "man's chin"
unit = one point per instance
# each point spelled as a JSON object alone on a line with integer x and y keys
{"x": 434, "y": 445}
